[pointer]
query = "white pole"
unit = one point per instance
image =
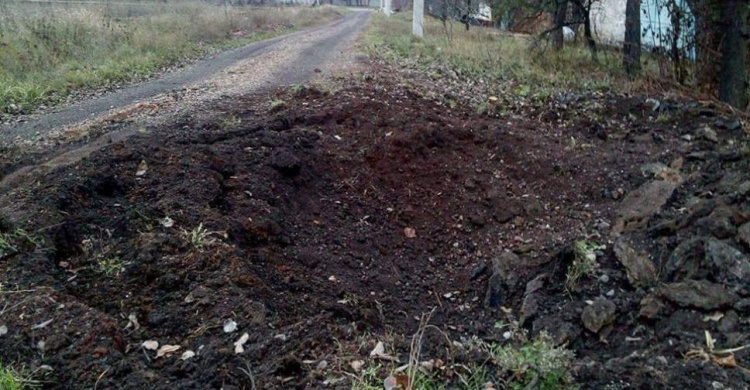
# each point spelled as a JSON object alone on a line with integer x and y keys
{"x": 418, "y": 18}
{"x": 387, "y": 7}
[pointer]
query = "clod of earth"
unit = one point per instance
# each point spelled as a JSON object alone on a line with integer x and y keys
{"x": 598, "y": 314}
{"x": 700, "y": 294}
{"x": 641, "y": 271}
{"x": 640, "y": 205}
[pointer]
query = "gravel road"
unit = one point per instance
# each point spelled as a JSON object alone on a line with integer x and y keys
{"x": 284, "y": 60}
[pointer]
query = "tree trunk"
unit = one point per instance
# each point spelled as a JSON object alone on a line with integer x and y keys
{"x": 590, "y": 42}
{"x": 707, "y": 42}
{"x": 631, "y": 59}
{"x": 467, "y": 15}
{"x": 733, "y": 74}
{"x": 561, "y": 11}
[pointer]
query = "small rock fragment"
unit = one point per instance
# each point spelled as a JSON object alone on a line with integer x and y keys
{"x": 650, "y": 307}
{"x": 150, "y": 345}
{"x": 600, "y": 313}
{"x": 230, "y": 326}
{"x": 3, "y": 330}
{"x": 187, "y": 355}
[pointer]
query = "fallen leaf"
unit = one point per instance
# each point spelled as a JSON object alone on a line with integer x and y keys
{"x": 379, "y": 353}
{"x": 409, "y": 232}
{"x": 378, "y": 350}
{"x": 238, "y": 345}
{"x": 166, "y": 350}
{"x": 150, "y": 345}
{"x": 187, "y": 355}
{"x": 727, "y": 361}
{"x": 230, "y": 326}
{"x": 133, "y": 321}
{"x": 142, "y": 168}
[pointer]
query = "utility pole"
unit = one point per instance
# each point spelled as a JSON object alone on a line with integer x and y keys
{"x": 387, "y": 9}
{"x": 418, "y": 18}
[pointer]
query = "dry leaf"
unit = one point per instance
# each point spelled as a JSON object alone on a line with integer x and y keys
{"x": 187, "y": 355}
{"x": 166, "y": 350}
{"x": 357, "y": 365}
{"x": 378, "y": 350}
{"x": 409, "y": 232}
{"x": 150, "y": 345}
{"x": 727, "y": 361}
{"x": 379, "y": 353}
{"x": 142, "y": 168}
{"x": 239, "y": 344}
{"x": 133, "y": 321}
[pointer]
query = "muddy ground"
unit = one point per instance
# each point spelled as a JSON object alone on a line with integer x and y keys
{"x": 328, "y": 221}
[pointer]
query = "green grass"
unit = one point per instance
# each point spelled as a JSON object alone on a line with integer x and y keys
{"x": 508, "y": 60}
{"x": 584, "y": 263}
{"x": 9, "y": 379}
{"x": 48, "y": 51}
{"x": 537, "y": 361}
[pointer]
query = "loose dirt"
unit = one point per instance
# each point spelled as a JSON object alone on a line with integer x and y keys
{"x": 336, "y": 219}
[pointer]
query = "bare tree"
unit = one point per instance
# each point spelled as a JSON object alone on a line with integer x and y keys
{"x": 560, "y": 15}
{"x": 631, "y": 59}
{"x": 733, "y": 74}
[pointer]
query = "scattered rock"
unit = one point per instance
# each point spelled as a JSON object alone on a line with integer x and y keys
{"x": 718, "y": 223}
{"x": 230, "y": 326}
{"x": 640, "y": 205}
{"x": 728, "y": 260}
{"x": 743, "y": 234}
{"x": 699, "y": 294}
{"x": 3, "y": 330}
{"x": 650, "y": 307}
{"x": 532, "y": 295}
{"x": 641, "y": 271}
{"x": 495, "y": 292}
{"x": 561, "y": 331}
{"x": 598, "y": 314}
{"x": 699, "y": 258}
{"x": 729, "y": 322}
{"x": 709, "y": 134}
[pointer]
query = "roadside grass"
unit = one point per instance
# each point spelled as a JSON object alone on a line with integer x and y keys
{"x": 13, "y": 379}
{"x": 48, "y": 51}
{"x": 487, "y": 55}
{"x": 9, "y": 379}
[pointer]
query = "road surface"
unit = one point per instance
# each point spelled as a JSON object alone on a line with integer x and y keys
{"x": 283, "y": 60}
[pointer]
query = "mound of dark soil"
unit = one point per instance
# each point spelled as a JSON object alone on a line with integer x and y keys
{"x": 343, "y": 218}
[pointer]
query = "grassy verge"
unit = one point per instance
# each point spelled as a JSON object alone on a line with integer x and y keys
{"x": 490, "y": 56}
{"x": 49, "y": 50}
